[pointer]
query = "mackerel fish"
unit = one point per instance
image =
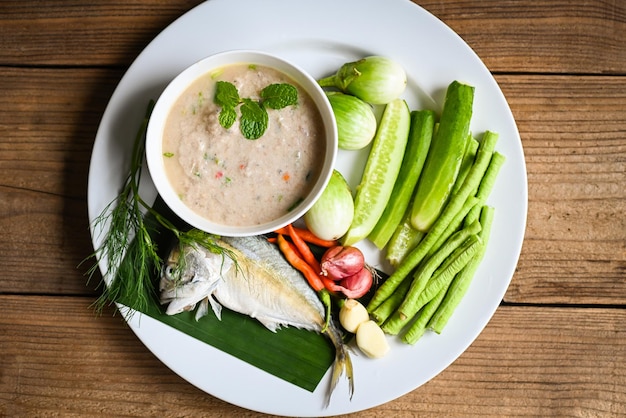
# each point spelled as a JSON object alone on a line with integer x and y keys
{"x": 255, "y": 280}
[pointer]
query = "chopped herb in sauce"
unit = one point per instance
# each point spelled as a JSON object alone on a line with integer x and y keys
{"x": 295, "y": 205}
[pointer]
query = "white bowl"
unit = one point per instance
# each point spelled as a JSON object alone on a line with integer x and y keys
{"x": 156, "y": 126}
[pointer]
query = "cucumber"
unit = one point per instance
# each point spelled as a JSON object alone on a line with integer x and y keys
{"x": 403, "y": 241}
{"x": 445, "y": 156}
{"x": 381, "y": 170}
{"x": 405, "y": 238}
{"x": 420, "y": 136}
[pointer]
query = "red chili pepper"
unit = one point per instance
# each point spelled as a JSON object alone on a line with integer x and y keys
{"x": 309, "y": 237}
{"x": 295, "y": 259}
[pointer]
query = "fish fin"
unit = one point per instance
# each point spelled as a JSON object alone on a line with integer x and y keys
{"x": 203, "y": 309}
{"x": 215, "y": 305}
{"x": 217, "y": 308}
{"x": 269, "y": 324}
{"x": 176, "y": 307}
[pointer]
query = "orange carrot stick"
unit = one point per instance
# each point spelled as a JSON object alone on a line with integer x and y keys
{"x": 308, "y": 236}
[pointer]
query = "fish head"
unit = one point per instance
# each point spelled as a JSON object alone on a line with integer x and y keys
{"x": 189, "y": 275}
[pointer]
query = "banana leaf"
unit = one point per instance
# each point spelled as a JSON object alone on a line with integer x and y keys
{"x": 296, "y": 356}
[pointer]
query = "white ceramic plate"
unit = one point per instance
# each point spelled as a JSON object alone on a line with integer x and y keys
{"x": 319, "y": 36}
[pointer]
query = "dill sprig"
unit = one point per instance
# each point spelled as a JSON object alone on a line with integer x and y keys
{"x": 129, "y": 245}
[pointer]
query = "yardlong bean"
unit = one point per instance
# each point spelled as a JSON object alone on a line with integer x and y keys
{"x": 486, "y": 185}
{"x": 462, "y": 281}
{"x": 413, "y": 302}
{"x": 455, "y": 204}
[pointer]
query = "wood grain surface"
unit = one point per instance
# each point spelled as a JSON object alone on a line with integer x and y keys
{"x": 555, "y": 347}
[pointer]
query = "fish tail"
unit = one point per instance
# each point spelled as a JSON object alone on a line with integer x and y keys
{"x": 342, "y": 364}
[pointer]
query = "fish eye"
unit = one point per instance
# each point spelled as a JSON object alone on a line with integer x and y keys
{"x": 170, "y": 272}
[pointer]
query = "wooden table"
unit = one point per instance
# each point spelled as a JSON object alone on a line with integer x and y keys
{"x": 556, "y": 345}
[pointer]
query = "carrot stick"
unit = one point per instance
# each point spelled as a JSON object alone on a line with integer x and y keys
{"x": 308, "y": 236}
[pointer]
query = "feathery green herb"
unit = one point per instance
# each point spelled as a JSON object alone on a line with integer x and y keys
{"x": 129, "y": 243}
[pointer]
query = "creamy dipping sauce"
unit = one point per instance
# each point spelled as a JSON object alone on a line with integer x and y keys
{"x": 229, "y": 179}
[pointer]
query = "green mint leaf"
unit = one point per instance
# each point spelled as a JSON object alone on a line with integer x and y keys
{"x": 254, "y": 119}
{"x": 227, "y": 117}
{"x": 278, "y": 96}
{"x": 226, "y": 94}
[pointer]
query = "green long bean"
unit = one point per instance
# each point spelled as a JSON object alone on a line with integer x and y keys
{"x": 455, "y": 223}
{"x": 418, "y": 327}
{"x": 475, "y": 175}
{"x": 462, "y": 281}
{"x": 466, "y": 164}
{"x": 486, "y": 185}
{"x": 413, "y": 302}
{"x": 386, "y": 309}
{"x": 426, "y": 270}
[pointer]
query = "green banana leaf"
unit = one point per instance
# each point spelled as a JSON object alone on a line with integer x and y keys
{"x": 296, "y": 356}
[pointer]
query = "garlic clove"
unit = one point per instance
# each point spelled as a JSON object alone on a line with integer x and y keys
{"x": 352, "y": 314}
{"x": 371, "y": 340}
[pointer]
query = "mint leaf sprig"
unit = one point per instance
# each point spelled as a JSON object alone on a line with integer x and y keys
{"x": 254, "y": 118}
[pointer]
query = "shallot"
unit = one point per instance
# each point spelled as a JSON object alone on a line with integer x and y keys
{"x": 358, "y": 284}
{"x": 340, "y": 262}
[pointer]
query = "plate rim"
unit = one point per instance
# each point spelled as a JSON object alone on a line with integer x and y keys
{"x": 144, "y": 320}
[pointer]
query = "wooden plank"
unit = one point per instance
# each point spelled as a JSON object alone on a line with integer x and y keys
{"x": 56, "y": 357}
{"x": 75, "y": 32}
{"x": 528, "y": 36}
{"x": 572, "y": 130}
{"x": 550, "y": 36}
{"x": 535, "y": 362}
{"x": 48, "y": 123}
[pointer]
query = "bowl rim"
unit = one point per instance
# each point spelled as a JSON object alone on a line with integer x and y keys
{"x": 163, "y": 105}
